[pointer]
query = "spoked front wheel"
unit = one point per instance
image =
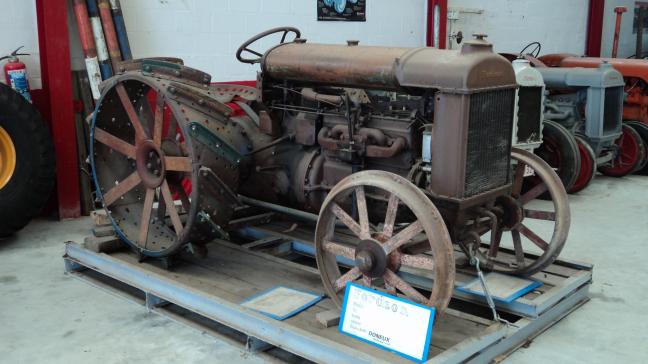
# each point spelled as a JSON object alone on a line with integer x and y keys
{"x": 529, "y": 222}
{"x": 391, "y": 214}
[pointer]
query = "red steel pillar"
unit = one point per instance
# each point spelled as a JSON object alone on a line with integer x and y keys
{"x": 442, "y": 6}
{"x": 58, "y": 101}
{"x": 595, "y": 28}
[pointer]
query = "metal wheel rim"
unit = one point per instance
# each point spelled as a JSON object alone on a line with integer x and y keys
{"x": 181, "y": 230}
{"x": 588, "y": 165}
{"x": 629, "y": 154}
{"x": 429, "y": 221}
{"x": 561, "y": 217}
{"x": 7, "y": 158}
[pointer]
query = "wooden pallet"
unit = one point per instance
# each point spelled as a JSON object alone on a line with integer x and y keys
{"x": 207, "y": 293}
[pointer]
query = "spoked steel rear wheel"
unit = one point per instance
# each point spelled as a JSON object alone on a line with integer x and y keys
{"x": 530, "y": 222}
{"x": 158, "y": 155}
{"x": 560, "y": 151}
{"x": 587, "y": 166}
{"x": 628, "y": 155}
{"x": 391, "y": 214}
{"x": 642, "y": 130}
{"x": 140, "y": 162}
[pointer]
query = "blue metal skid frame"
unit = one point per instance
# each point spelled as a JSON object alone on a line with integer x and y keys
{"x": 262, "y": 331}
{"x": 520, "y": 306}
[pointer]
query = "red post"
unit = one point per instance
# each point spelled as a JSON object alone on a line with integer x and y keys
{"x": 59, "y": 109}
{"x": 442, "y": 6}
{"x": 595, "y": 28}
{"x": 619, "y": 10}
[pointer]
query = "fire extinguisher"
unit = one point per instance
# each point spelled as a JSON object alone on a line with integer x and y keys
{"x": 16, "y": 73}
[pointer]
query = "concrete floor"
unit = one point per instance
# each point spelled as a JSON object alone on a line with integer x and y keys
{"x": 47, "y": 317}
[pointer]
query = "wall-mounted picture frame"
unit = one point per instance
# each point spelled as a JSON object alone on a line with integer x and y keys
{"x": 342, "y": 10}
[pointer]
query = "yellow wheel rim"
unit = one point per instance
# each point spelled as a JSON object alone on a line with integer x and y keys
{"x": 7, "y": 158}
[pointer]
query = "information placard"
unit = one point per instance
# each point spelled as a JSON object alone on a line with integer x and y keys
{"x": 392, "y": 323}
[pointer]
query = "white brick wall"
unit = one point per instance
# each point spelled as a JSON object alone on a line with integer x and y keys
{"x": 206, "y": 33}
{"x": 560, "y": 25}
{"x": 18, "y": 27}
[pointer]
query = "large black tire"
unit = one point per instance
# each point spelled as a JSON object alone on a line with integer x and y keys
{"x": 560, "y": 151}
{"x": 32, "y": 180}
{"x": 642, "y": 130}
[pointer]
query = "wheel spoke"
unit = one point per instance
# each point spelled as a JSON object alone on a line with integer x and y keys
{"x": 170, "y": 206}
{"x": 420, "y": 261}
{"x": 146, "y": 217}
{"x": 517, "y": 246}
{"x": 540, "y": 215}
{"x": 178, "y": 164}
{"x": 340, "y": 250}
{"x": 347, "y": 220}
{"x": 496, "y": 238}
{"x": 533, "y": 193}
{"x": 121, "y": 189}
{"x": 130, "y": 111}
{"x": 518, "y": 179}
{"x": 159, "y": 120}
{"x": 350, "y": 276}
{"x": 390, "y": 216}
{"x": 363, "y": 214}
{"x": 254, "y": 52}
{"x": 533, "y": 237}
{"x": 396, "y": 281}
{"x": 403, "y": 237}
{"x": 114, "y": 143}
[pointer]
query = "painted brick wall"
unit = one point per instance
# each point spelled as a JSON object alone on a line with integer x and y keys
{"x": 560, "y": 25}
{"x": 206, "y": 33}
{"x": 18, "y": 27}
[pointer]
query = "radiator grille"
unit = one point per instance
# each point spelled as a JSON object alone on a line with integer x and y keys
{"x": 612, "y": 112}
{"x": 488, "y": 153}
{"x": 529, "y": 113}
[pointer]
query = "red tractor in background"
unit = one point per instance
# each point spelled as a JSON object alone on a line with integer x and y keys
{"x": 635, "y": 75}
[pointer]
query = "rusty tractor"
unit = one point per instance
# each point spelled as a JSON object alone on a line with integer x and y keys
{"x": 403, "y": 154}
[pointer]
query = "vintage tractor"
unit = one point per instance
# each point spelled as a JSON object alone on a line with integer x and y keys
{"x": 635, "y": 107}
{"x": 402, "y": 152}
{"x": 589, "y": 103}
{"x": 546, "y": 138}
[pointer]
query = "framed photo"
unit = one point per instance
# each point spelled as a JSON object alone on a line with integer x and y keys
{"x": 341, "y": 10}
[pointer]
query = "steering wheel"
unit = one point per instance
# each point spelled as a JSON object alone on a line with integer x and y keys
{"x": 245, "y": 47}
{"x": 535, "y": 51}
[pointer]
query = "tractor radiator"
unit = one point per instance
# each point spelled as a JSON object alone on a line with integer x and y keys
{"x": 489, "y": 141}
{"x": 529, "y": 113}
{"x": 612, "y": 109}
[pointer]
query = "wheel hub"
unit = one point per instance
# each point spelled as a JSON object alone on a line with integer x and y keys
{"x": 513, "y": 212}
{"x": 7, "y": 157}
{"x": 370, "y": 258}
{"x": 150, "y": 164}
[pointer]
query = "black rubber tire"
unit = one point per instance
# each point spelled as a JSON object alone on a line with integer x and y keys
{"x": 642, "y": 130}
{"x": 29, "y": 188}
{"x": 569, "y": 165}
